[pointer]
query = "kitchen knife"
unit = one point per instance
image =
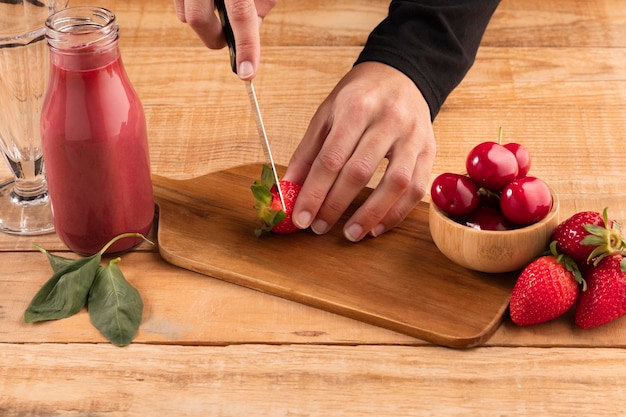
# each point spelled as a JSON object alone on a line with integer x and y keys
{"x": 254, "y": 103}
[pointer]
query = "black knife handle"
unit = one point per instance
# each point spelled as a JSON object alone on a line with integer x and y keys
{"x": 228, "y": 33}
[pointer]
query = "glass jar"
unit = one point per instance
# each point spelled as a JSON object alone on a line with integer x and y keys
{"x": 94, "y": 135}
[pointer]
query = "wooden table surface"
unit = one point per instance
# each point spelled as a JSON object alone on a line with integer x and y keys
{"x": 552, "y": 73}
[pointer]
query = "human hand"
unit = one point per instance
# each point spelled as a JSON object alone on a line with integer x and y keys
{"x": 374, "y": 112}
{"x": 245, "y": 17}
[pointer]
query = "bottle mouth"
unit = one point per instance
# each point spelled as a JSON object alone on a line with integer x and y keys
{"x": 81, "y": 27}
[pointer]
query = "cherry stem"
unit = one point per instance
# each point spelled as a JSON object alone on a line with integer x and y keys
{"x": 500, "y": 136}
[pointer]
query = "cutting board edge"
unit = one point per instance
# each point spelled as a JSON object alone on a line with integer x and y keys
{"x": 429, "y": 335}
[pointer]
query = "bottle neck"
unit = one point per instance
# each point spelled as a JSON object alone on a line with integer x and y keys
{"x": 82, "y": 38}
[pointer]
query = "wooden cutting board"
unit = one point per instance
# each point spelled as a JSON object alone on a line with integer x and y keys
{"x": 399, "y": 281}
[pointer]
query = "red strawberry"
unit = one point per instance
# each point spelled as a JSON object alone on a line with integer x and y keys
{"x": 588, "y": 235}
{"x": 605, "y": 297}
{"x": 546, "y": 289}
{"x": 268, "y": 206}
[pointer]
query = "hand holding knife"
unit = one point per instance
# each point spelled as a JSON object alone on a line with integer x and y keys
{"x": 230, "y": 41}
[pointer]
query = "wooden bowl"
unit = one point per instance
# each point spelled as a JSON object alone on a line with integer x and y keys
{"x": 488, "y": 250}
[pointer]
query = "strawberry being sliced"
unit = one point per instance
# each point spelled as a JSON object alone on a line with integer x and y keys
{"x": 268, "y": 206}
{"x": 546, "y": 289}
{"x": 605, "y": 297}
{"x": 588, "y": 236}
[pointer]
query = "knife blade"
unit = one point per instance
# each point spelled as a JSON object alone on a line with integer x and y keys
{"x": 254, "y": 103}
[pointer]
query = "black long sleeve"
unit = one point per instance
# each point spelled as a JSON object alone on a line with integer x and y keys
{"x": 433, "y": 42}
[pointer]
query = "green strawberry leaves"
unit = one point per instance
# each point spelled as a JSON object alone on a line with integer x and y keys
{"x": 606, "y": 239}
{"x": 115, "y": 306}
{"x": 262, "y": 192}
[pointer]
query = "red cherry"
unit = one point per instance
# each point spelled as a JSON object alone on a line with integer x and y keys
{"x": 526, "y": 201}
{"x": 491, "y": 165}
{"x": 455, "y": 194}
{"x": 488, "y": 218}
{"x": 523, "y": 158}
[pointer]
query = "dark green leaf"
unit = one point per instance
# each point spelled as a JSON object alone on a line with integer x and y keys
{"x": 56, "y": 262}
{"x": 66, "y": 291}
{"x": 115, "y": 306}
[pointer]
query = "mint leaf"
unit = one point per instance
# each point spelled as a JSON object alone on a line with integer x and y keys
{"x": 115, "y": 306}
{"x": 56, "y": 262}
{"x": 65, "y": 293}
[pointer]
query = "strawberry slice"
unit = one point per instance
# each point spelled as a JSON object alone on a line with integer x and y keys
{"x": 268, "y": 207}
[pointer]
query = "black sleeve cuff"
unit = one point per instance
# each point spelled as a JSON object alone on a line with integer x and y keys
{"x": 433, "y": 42}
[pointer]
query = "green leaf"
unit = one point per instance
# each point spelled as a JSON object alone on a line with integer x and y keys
{"x": 267, "y": 176}
{"x": 65, "y": 293}
{"x": 595, "y": 229}
{"x": 261, "y": 194}
{"x": 115, "y": 306}
{"x": 56, "y": 262}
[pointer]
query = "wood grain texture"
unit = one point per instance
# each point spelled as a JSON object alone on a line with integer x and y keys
{"x": 297, "y": 380}
{"x": 186, "y": 308}
{"x": 180, "y": 308}
{"x": 550, "y": 72}
{"x": 399, "y": 281}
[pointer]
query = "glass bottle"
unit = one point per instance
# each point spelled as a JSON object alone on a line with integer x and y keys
{"x": 94, "y": 135}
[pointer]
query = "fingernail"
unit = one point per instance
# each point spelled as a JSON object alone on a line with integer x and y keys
{"x": 260, "y": 20}
{"x": 319, "y": 227}
{"x": 378, "y": 230}
{"x": 353, "y": 232}
{"x": 302, "y": 220}
{"x": 245, "y": 69}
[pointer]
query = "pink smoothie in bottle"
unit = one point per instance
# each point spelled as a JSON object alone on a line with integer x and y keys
{"x": 94, "y": 136}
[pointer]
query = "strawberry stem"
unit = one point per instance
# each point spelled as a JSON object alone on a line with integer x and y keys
{"x": 606, "y": 239}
